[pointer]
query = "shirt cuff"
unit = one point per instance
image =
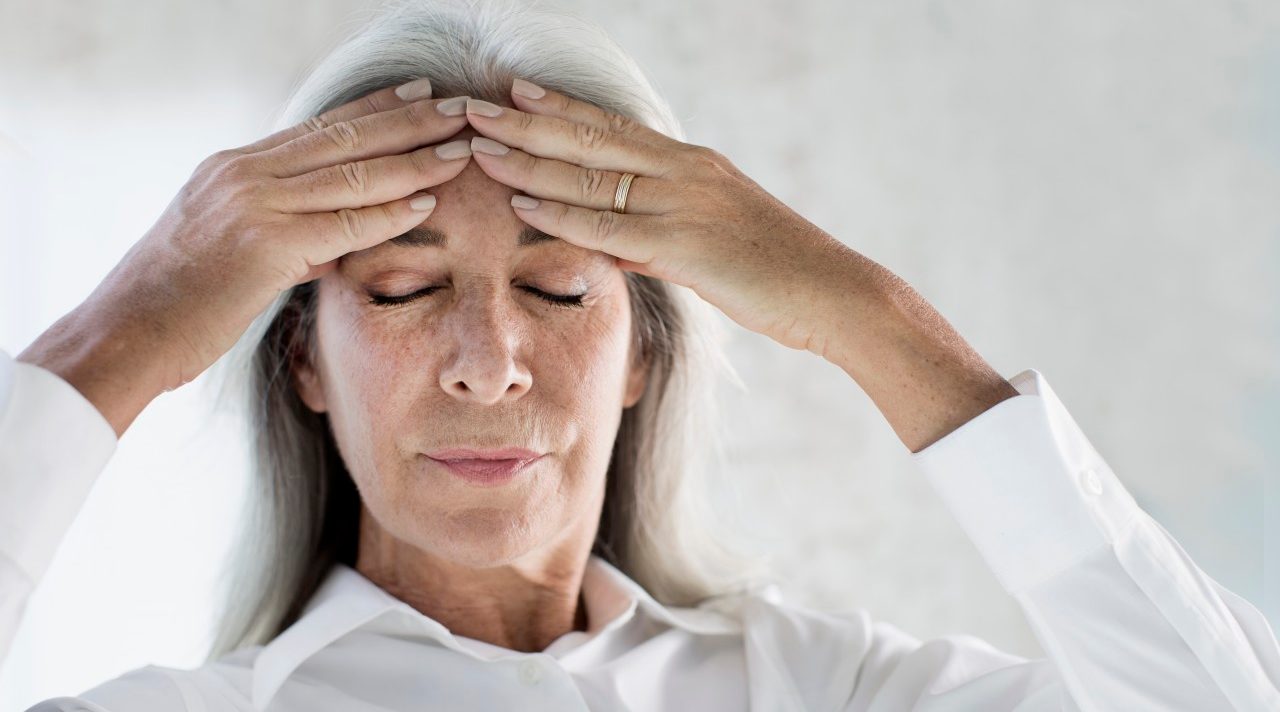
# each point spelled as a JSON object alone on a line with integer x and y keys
{"x": 53, "y": 445}
{"x": 1027, "y": 487}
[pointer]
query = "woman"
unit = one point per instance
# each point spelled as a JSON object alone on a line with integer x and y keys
{"x": 465, "y": 295}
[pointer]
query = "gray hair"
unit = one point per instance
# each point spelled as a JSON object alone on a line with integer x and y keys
{"x": 302, "y": 512}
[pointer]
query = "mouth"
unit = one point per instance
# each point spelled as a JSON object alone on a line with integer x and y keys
{"x": 467, "y": 453}
{"x": 486, "y": 472}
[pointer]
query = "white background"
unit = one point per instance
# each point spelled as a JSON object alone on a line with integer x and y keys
{"x": 1091, "y": 189}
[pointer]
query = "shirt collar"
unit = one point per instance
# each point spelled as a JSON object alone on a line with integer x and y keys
{"x": 346, "y": 601}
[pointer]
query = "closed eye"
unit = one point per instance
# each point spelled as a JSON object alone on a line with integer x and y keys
{"x": 559, "y": 300}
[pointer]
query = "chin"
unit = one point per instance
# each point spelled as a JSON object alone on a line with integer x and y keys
{"x": 484, "y": 537}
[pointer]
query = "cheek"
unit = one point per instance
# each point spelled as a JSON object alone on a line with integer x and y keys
{"x": 369, "y": 365}
{"x": 368, "y": 370}
{"x": 584, "y": 353}
{"x": 606, "y": 354}
{"x": 587, "y": 373}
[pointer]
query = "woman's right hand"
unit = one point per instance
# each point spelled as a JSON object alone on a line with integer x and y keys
{"x": 250, "y": 223}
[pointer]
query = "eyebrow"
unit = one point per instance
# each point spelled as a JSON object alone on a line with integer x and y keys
{"x": 423, "y": 236}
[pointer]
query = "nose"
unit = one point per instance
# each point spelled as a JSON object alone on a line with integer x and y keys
{"x": 485, "y": 365}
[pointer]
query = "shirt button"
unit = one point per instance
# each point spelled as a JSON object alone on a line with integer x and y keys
{"x": 530, "y": 672}
{"x": 1089, "y": 480}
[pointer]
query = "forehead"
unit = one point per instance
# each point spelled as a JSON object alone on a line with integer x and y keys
{"x": 434, "y": 239}
{"x": 427, "y": 236}
{"x": 471, "y": 207}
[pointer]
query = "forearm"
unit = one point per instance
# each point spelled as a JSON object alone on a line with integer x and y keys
{"x": 922, "y": 375}
{"x": 110, "y": 361}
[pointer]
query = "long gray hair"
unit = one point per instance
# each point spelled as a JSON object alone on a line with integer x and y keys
{"x": 302, "y": 511}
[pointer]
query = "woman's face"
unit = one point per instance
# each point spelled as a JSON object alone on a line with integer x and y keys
{"x": 482, "y": 362}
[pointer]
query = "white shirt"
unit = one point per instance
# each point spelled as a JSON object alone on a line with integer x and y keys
{"x": 1128, "y": 620}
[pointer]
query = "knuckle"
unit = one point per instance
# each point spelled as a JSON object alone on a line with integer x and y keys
{"x": 706, "y": 156}
{"x": 425, "y": 161}
{"x": 222, "y": 157}
{"x": 384, "y": 215}
{"x": 345, "y": 135}
{"x": 235, "y": 169}
{"x": 355, "y": 175}
{"x": 590, "y": 182}
{"x": 621, "y": 124}
{"x": 313, "y": 123}
{"x": 214, "y": 162}
{"x": 604, "y": 226}
{"x": 421, "y": 162}
{"x": 589, "y": 136}
{"x": 350, "y": 224}
{"x": 524, "y": 121}
{"x": 703, "y": 161}
{"x": 421, "y": 114}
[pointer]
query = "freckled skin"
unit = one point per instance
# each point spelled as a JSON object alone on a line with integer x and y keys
{"x": 480, "y": 362}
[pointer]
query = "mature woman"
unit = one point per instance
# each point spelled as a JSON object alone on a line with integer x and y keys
{"x": 466, "y": 296}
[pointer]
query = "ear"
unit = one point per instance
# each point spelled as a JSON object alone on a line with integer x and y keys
{"x": 306, "y": 379}
{"x": 637, "y": 378}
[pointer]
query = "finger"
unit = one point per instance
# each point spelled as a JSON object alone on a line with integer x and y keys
{"x": 567, "y": 183}
{"x": 371, "y": 103}
{"x": 586, "y": 145}
{"x": 634, "y": 238}
{"x": 637, "y": 267}
{"x": 371, "y": 181}
{"x": 318, "y": 271}
{"x": 553, "y": 103}
{"x": 322, "y": 238}
{"x": 380, "y": 134}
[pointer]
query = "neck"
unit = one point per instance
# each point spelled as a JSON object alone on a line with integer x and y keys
{"x": 522, "y": 605}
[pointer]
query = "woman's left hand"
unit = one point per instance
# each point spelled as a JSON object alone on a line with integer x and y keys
{"x": 692, "y": 218}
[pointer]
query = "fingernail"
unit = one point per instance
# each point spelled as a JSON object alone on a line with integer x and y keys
{"x": 454, "y": 149}
{"x": 483, "y": 108}
{"x": 524, "y": 201}
{"x": 457, "y": 106}
{"x": 488, "y": 145}
{"x": 414, "y": 90}
{"x": 422, "y": 202}
{"x": 528, "y": 89}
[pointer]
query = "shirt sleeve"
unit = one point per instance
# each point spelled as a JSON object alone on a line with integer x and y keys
{"x": 53, "y": 445}
{"x": 145, "y": 689}
{"x": 1126, "y": 618}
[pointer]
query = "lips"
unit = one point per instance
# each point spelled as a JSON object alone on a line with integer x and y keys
{"x": 484, "y": 471}
{"x": 467, "y": 453}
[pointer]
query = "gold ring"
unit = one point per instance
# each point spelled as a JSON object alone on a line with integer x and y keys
{"x": 620, "y": 195}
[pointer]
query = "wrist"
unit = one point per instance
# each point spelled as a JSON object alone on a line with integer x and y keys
{"x": 917, "y": 369}
{"x": 107, "y": 360}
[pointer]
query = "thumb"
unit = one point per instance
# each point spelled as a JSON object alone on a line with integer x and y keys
{"x": 320, "y": 270}
{"x": 637, "y": 267}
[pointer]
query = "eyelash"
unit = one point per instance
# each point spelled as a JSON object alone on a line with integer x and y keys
{"x": 565, "y": 301}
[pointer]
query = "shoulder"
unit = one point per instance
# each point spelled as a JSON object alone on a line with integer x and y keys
{"x": 808, "y": 656}
{"x": 827, "y": 658}
{"x": 804, "y": 631}
{"x": 217, "y": 686}
{"x": 791, "y": 627}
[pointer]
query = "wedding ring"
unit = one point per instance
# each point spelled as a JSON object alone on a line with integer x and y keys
{"x": 620, "y": 196}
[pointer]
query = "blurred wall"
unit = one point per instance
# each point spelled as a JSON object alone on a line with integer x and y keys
{"x": 1088, "y": 189}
